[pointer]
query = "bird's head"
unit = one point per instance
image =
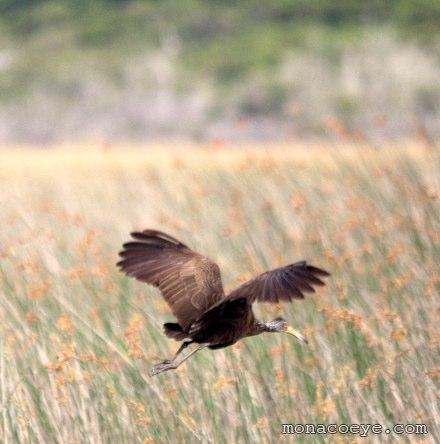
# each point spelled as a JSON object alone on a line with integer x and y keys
{"x": 280, "y": 325}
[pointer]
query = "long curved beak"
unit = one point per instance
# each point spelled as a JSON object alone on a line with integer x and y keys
{"x": 297, "y": 334}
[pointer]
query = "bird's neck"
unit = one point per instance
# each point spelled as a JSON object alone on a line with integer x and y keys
{"x": 260, "y": 327}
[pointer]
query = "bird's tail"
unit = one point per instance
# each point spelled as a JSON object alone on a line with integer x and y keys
{"x": 174, "y": 331}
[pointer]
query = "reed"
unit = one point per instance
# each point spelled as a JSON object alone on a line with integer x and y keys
{"x": 78, "y": 339}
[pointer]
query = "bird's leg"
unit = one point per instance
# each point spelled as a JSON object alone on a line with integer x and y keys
{"x": 181, "y": 348}
{"x": 171, "y": 365}
{"x": 169, "y": 360}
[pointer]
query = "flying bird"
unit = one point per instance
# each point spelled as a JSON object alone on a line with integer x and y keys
{"x": 191, "y": 285}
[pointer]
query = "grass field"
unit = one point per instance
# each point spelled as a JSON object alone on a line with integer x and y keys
{"x": 78, "y": 339}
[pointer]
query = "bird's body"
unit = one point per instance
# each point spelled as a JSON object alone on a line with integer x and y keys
{"x": 191, "y": 285}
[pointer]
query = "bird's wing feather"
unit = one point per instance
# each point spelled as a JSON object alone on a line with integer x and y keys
{"x": 189, "y": 282}
{"x": 281, "y": 285}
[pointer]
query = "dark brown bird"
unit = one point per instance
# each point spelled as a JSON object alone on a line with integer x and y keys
{"x": 191, "y": 285}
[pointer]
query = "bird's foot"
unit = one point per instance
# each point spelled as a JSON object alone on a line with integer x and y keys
{"x": 163, "y": 366}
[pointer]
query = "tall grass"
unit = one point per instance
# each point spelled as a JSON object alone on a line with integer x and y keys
{"x": 78, "y": 339}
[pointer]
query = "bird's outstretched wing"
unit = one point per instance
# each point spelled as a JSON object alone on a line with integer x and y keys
{"x": 282, "y": 284}
{"x": 189, "y": 282}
